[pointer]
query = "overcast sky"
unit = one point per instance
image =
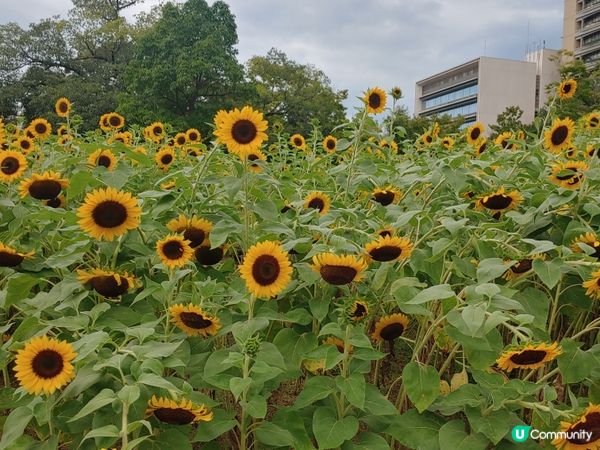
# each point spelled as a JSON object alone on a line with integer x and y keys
{"x": 364, "y": 43}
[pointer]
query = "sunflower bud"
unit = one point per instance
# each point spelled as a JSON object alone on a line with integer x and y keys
{"x": 251, "y": 346}
{"x": 396, "y": 92}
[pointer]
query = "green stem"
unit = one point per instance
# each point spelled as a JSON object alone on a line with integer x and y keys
{"x": 124, "y": 426}
{"x": 243, "y": 418}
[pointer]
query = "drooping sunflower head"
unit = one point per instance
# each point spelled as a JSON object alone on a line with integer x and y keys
{"x": 40, "y": 128}
{"x": 329, "y": 144}
{"x": 103, "y": 123}
{"x": 567, "y": 88}
{"x": 241, "y": 130}
{"x": 593, "y": 286}
{"x": 339, "y": 270}
{"x": 173, "y": 413}
{"x": 375, "y": 100}
{"x": 521, "y": 267}
{"x": 124, "y": 137}
{"x": 426, "y": 138}
{"x": 474, "y": 132}
{"x": 388, "y": 328}
{"x": 570, "y": 152}
{"x": 559, "y": 135}
{"x": 174, "y": 251}
{"x": 499, "y": 201}
{"x": 193, "y": 136}
{"x": 396, "y": 92}
{"x": 568, "y": 175}
{"x": 194, "y": 229}
{"x": 529, "y": 356}
{"x": 593, "y": 150}
{"x": 448, "y": 142}
{"x": 298, "y": 141}
{"x": 480, "y": 146}
{"x": 168, "y": 185}
{"x": 503, "y": 140}
{"x": 45, "y": 186}
{"x": 592, "y": 120}
{"x": 62, "y": 107}
{"x": 104, "y": 158}
{"x": 266, "y": 269}
{"x": 108, "y": 213}
{"x": 58, "y": 202}
{"x": 339, "y": 344}
{"x": 589, "y": 239}
{"x": 386, "y": 232}
{"x": 358, "y": 310}
{"x": 165, "y": 157}
{"x": 10, "y": 257}
{"x": 207, "y": 256}
{"x": 253, "y": 157}
{"x": 318, "y": 200}
{"x": 12, "y": 165}
{"x": 109, "y": 284}
{"x": 44, "y": 365}
{"x": 193, "y": 320}
{"x": 583, "y": 433}
{"x": 386, "y": 196}
{"x": 389, "y": 248}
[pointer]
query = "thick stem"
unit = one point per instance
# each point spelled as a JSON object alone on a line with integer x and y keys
{"x": 124, "y": 426}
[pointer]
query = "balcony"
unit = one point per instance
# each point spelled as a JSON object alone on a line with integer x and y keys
{"x": 589, "y": 9}
{"x": 589, "y": 28}
{"x": 588, "y": 48}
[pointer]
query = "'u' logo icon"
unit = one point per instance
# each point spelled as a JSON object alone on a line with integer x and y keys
{"x": 520, "y": 433}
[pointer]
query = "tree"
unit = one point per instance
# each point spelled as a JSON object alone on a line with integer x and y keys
{"x": 184, "y": 67}
{"x": 294, "y": 93}
{"x": 587, "y": 96}
{"x": 508, "y": 120}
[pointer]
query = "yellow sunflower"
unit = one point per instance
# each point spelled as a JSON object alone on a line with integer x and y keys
{"x": 581, "y": 434}
{"x": 25, "y": 144}
{"x": 389, "y": 248}
{"x": 62, "y": 107}
{"x": 558, "y": 137}
{"x": 499, "y": 201}
{"x": 12, "y": 165}
{"x": 338, "y": 270}
{"x": 180, "y": 139}
{"x": 588, "y": 239}
{"x": 567, "y": 88}
{"x": 298, "y": 141}
{"x": 528, "y": 356}
{"x": 174, "y": 251}
{"x": 386, "y": 196}
{"x": 10, "y": 257}
{"x": 155, "y": 132}
{"x": 168, "y": 185}
{"x": 45, "y": 186}
{"x": 62, "y": 130}
{"x": 124, "y": 137}
{"x": 426, "y": 139}
{"x": 521, "y": 267}
{"x": 570, "y": 152}
{"x": 195, "y": 230}
{"x": 474, "y": 132}
{"x": 448, "y": 142}
{"x": 329, "y": 144}
{"x": 40, "y": 128}
{"x": 115, "y": 120}
{"x": 58, "y": 202}
{"x": 253, "y": 157}
{"x": 103, "y": 123}
{"x": 358, "y": 311}
{"x": 242, "y": 131}
{"x": 107, "y": 283}
{"x": 396, "y": 92}
{"x": 44, "y": 365}
{"x": 266, "y": 269}
{"x": 385, "y": 232}
{"x": 568, "y": 175}
{"x": 593, "y": 149}
{"x": 593, "y": 286}
{"x": 318, "y": 200}
{"x": 173, "y": 413}
{"x": 193, "y": 136}
{"x": 384, "y": 143}
{"x": 390, "y": 327}
{"x": 592, "y": 120}
{"x": 108, "y": 213}
{"x": 338, "y": 343}
{"x": 207, "y": 256}
{"x": 502, "y": 140}
{"x": 375, "y": 100}
{"x": 193, "y": 320}
{"x": 480, "y": 146}
{"x": 104, "y": 158}
{"x": 164, "y": 157}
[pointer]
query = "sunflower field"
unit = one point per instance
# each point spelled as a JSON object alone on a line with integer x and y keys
{"x": 246, "y": 288}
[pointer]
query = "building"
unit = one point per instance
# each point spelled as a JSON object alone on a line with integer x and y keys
{"x": 581, "y": 30}
{"x": 484, "y": 87}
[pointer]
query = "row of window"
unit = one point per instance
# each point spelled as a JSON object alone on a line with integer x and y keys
{"x": 595, "y": 56}
{"x": 589, "y": 4}
{"x": 463, "y": 110}
{"x": 590, "y": 21}
{"x": 450, "y": 96}
{"x": 591, "y": 38}
{"x": 467, "y": 123}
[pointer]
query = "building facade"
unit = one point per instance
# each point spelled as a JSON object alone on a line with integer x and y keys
{"x": 581, "y": 30}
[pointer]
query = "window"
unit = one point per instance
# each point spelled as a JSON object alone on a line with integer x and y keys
{"x": 450, "y": 96}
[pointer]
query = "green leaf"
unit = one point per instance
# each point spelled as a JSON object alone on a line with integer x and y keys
{"x": 474, "y": 317}
{"x": 129, "y": 394}
{"x": 256, "y": 406}
{"x": 222, "y": 422}
{"x": 105, "y": 431}
{"x": 270, "y": 434}
{"x": 574, "y": 364}
{"x": 330, "y": 432}
{"x": 548, "y": 271}
{"x": 422, "y": 384}
{"x": 489, "y": 269}
{"x": 454, "y": 437}
{"x": 416, "y": 431}
{"x": 151, "y": 379}
{"x": 237, "y": 385}
{"x": 19, "y": 287}
{"x": 353, "y": 388}
{"x": 367, "y": 441}
{"x": 104, "y": 397}
{"x": 438, "y": 292}
{"x": 315, "y": 388}
{"x": 376, "y": 404}
{"x": 15, "y": 425}
{"x": 494, "y": 425}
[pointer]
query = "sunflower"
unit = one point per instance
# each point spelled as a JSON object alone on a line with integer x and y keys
{"x": 62, "y": 107}
{"x": 9, "y": 257}
{"x": 180, "y": 139}
{"x": 588, "y": 239}
{"x": 115, "y": 120}
{"x": 44, "y": 365}
{"x": 40, "y": 128}
{"x": 318, "y": 200}
{"x": 168, "y": 185}
{"x": 173, "y": 413}
{"x": 108, "y": 213}
{"x": 174, "y": 251}
{"x": 386, "y": 196}
{"x": 195, "y": 230}
{"x": 12, "y": 165}
{"x": 104, "y": 158}
{"x": 384, "y": 143}
{"x": 502, "y": 140}
{"x": 448, "y": 142}
{"x": 480, "y": 146}
{"x": 375, "y": 100}
{"x": 499, "y": 201}
{"x": 155, "y": 132}
{"x": 252, "y": 157}
{"x": 568, "y": 175}
{"x": 521, "y": 267}
{"x": 396, "y": 92}
{"x": 164, "y": 157}
{"x": 65, "y": 140}
{"x": 581, "y": 434}
{"x": 193, "y": 136}
{"x": 124, "y": 137}
{"x": 107, "y": 283}
{"x": 314, "y": 366}
{"x": 241, "y": 130}
{"x": 103, "y": 123}
{"x": 567, "y": 88}
{"x": 593, "y": 149}
{"x": 338, "y": 270}
{"x": 338, "y": 343}
{"x": 298, "y": 141}
{"x": 528, "y": 356}
{"x": 207, "y": 256}
{"x": 25, "y": 144}
{"x": 358, "y": 311}
{"x": 389, "y": 248}
{"x": 193, "y": 320}
{"x": 266, "y": 269}
{"x": 62, "y": 130}
{"x": 426, "y": 139}
{"x": 43, "y": 186}
{"x": 592, "y": 120}
{"x": 474, "y": 132}
{"x": 571, "y": 152}
{"x": 384, "y": 232}
{"x": 390, "y": 327}
{"x": 593, "y": 286}
{"x": 559, "y": 135}
{"x": 58, "y": 202}
{"x": 329, "y": 144}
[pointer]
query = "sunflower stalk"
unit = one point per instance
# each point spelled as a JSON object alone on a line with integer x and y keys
{"x": 354, "y": 148}
{"x": 124, "y": 425}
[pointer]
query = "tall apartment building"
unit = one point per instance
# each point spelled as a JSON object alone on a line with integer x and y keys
{"x": 484, "y": 87}
{"x": 581, "y": 30}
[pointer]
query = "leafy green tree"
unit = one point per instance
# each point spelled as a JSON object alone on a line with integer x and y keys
{"x": 294, "y": 93}
{"x": 508, "y": 120}
{"x": 587, "y": 96}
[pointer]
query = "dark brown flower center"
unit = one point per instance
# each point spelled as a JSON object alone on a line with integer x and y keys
{"x": 374, "y": 100}
{"x": 567, "y": 88}
{"x": 47, "y": 364}
{"x": 522, "y": 266}
{"x": 115, "y": 121}
{"x": 338, "y": 275}
{"x": 109, "y": 214}
{"x": 559, "y": 135}
{"x": 385, "y": 233}
{"x": 103, "y": 160}
{"x": 8, "y": 259}
{"x": 207, "y": 257}
{"x": 25, "y": 144}
{"x": 384, "y": 197}
{"x": 317, "y": 203}
{"x": 173, "y": 249}
{"x": 243, "y": 131}
{"x": 265, "y": 270}
{"x": 392, "y": 331}
{"x": 298, "y": 142}
{"x": 475, "y": 132}
{"x": 570, "y": 173}
{"x": 108, "y": 286}
{"x": 497, "y": 202}
{"x": 385, "y": 253}
{"x": 167, "y": 158}
{"x": 54, "y": 203}
{"x": 157, "y": 130}
{"x": 174, "y": 416}
{"x": 360, "y": 310}
{"x": 194, "y": 235}
{"x": 10, "y": 165}
{"x": 330, "y": 144}
{"x": 594, "y": 121}
{"x": 528, "y": 357}
{"x": 181, "y": 140}
{"x": 193, "y": 136}
{"x": 41, "y": 128}
{"x": 44, "y": 189}
{"x": 428, "y": 139}
{"x": 63, "y": 107}
{"x": 195, "y": 320}
{"x": 591, "y": 425}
